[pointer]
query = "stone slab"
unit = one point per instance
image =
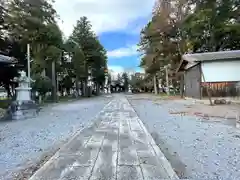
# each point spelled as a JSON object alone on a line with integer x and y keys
{"x": 129, "y": 173}
{"x": 117, "y": 147}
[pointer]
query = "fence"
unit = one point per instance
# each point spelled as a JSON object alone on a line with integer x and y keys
{"x": 221, "y": 89}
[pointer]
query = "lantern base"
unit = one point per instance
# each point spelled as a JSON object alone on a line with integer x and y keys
{"x": 21, "y": 110}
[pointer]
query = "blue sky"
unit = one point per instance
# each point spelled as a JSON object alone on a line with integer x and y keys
{"x": 121, "y": 48}
{"x": 116, "y": 22}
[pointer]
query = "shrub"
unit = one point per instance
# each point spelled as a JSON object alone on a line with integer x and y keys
{"x": 42, "y": 85}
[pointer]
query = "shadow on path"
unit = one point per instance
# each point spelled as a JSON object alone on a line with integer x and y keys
{"x": 172, "y": 156}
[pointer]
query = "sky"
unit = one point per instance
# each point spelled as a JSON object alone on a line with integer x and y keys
{"x": 116, "y": 22}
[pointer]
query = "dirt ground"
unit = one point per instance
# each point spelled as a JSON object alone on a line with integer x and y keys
{"x": 230, "y": 111}
{"x": 226, "y": 114}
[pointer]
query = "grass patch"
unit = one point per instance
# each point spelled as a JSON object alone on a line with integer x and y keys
{"x": 63, "y": 99}
{"x": 4, "y": 104}
{"x": 163, "y": 94}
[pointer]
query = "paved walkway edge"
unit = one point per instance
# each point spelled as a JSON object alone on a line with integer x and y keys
{"x": 161, "y": 157}
{"x": 52, "y": 159}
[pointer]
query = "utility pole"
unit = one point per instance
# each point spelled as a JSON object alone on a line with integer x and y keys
{"x": 57, "y": 86}
{"x": 28, "y": 63}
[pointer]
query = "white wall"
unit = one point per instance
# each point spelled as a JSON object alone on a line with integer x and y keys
{"x": 221, "y": 71}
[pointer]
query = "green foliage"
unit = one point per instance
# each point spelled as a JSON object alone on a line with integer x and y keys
{"x": 137, "y": 83}
{"x": 213, "y": 26}
{"x": 92, "y": 55}
{"x": 42, "y": 84}
{"x": 119, "y": 79}
{"x": 4, "y": 104}
{"x": 83, "y": 36}
{"x": 27, "y": 19}
{"x": 78, "y": 60}
{"x": 125, "y": 79}
{"x": 34, "y": 23}
{"x": 179, "y": 26}
{"x": 67, "y": 82}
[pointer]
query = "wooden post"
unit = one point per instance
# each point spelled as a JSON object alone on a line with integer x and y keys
{"x": 182, "y": 85}
{"x": 209, "y": 95}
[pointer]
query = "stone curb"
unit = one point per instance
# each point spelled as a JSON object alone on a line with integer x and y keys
{"x": 161, "y": 157}
{"x": 53, "y": 158}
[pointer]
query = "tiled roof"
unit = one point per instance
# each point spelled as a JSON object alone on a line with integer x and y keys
{"x": 190, "y": 60}
{"x": 6, "y": 59}
{"x": 211, "y": 56}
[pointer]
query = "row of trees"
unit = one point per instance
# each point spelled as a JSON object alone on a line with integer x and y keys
{"x": 187, "y": 26}
{"x": 123, "y": 80}
{"x": 25, "y": 22}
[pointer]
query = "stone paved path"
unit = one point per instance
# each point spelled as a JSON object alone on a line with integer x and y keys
{"x": 116, "y": 146}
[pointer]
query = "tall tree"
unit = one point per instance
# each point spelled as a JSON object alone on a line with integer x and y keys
{"x": 181, "y": 26}
{"x": 213, "y": 26}
{"x": 82, "y": 36}
{"x": 126, "y": 79}
{"x": 119, "y": 78}
{"x": 78, "y": 65}
{"x": 34, "y": 23}
{"x": 95, "y": 58}
{"x": 25, "y": 22}
{"x": 99, "y": 64}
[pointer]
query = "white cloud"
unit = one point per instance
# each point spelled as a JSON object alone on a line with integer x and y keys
{"x": 123, "y": 52}
{"x": 115, "y": 70}
{"x": 137, "y": 29}
{"x": 105, "y": 15}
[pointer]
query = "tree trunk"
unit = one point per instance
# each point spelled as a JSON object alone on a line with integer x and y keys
{"x": 40, "y": 99}
{"x": 54, "y": 89}
{"x": 81, "y": 87}
{"x": 77, "y": 85}
{"x": 155, "y": 84}
{"x": 97, "y": 88}
{"x": 85, "y": 87}
{"x": 7, "y": 88}
{"x": 182, "y": 85}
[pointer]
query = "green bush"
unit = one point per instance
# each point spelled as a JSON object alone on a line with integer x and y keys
{"x": 4, "y": 104}
{"x": 42, "y": 85}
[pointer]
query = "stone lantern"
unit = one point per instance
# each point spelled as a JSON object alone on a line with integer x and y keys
{"x": 23, "y": 107}
{"x": 106, "y": 84}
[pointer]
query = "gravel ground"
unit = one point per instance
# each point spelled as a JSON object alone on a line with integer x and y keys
{"x": 196, "y": 148}
{"x": 23, "y": 143}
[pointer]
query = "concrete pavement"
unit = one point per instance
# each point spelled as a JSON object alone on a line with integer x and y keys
{"x": 116, "y": 146}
